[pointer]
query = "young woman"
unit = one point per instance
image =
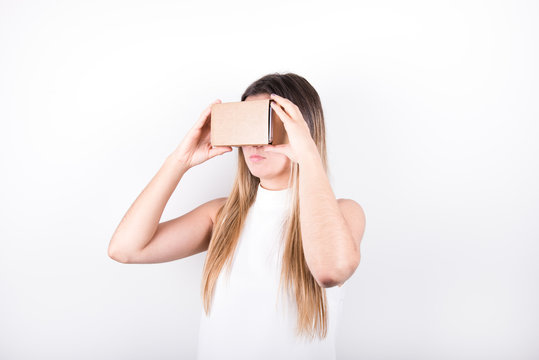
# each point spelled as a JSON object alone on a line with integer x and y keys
{"x": 287, "y": 243}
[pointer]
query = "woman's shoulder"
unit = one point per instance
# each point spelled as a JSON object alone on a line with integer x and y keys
{"x": 351, "y": 209}
{"x": 355, "y": 218}
{"x": 214, "y": 206}
{"x": 344, "y": 202}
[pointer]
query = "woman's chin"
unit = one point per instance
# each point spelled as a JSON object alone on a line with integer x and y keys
{"x": 267, "y": 169}
{"x": 261, "y": 174}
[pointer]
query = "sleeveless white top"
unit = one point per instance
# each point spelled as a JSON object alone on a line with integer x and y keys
{"x": 247, "y": 319}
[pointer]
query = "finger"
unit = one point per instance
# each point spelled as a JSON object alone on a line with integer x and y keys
{"x": 285, "y": 118}
{"x": 291, "y": 108}
{"x": 219, "y": 150}
{"x": 281, "y": 148}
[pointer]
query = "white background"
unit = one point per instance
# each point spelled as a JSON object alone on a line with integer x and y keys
{"x": 432, "y": 126}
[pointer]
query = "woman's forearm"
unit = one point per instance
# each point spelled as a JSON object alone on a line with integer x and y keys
{"x": 140, "y": 222}
{"x": 328, "y": 244}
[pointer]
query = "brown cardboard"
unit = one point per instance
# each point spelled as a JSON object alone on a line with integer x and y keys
{"x": 251, "y": 122}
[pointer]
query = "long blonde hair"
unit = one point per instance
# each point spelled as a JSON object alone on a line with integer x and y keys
{"x": 296, "y": 277}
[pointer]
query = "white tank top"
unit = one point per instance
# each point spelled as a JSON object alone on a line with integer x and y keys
{"x": 247, "y": 319}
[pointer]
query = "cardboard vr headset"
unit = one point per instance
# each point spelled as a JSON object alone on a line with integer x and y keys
{"x": 241, "y": 123}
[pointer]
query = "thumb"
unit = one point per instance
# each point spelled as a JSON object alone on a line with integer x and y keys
{"x": 219, "y": 150}
{"x": 281, "y": 149}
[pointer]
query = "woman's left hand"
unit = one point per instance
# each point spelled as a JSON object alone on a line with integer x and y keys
{"x": 301, "y": 143}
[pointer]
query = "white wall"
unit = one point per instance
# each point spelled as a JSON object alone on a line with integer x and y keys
{"x": 432, "y": 124}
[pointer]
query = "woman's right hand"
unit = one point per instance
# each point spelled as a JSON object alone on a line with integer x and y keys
{"x": 195, "y": 147}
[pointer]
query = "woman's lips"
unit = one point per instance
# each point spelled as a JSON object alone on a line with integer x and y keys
{"x": 256, "y": 158}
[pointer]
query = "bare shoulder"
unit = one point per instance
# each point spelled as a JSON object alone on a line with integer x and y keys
{"x": 349, "y": 205}
{"x": 354, "y": 216}
{"x": 213, "y": 207}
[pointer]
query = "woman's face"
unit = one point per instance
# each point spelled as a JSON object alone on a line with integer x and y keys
{"x": 273, "y": 169}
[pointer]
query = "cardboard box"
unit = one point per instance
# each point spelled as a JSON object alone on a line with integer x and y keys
{"x": 241, "y": 123}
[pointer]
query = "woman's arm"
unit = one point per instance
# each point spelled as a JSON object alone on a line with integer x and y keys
{"x": 141, "y": 221}
{"x": 139, "y": 224}
{"x": 330, "y": 245}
